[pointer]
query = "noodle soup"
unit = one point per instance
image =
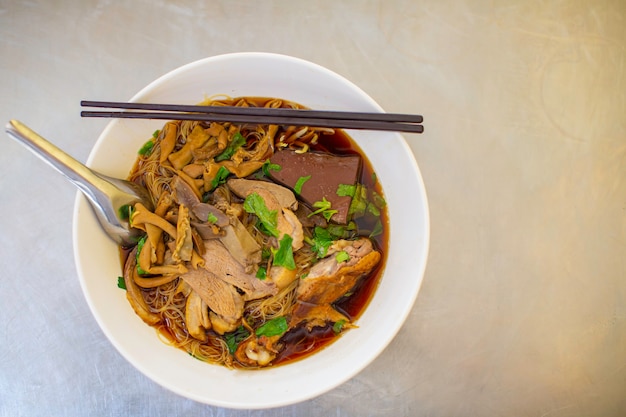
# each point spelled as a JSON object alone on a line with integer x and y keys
{"x": 264, "y": 243}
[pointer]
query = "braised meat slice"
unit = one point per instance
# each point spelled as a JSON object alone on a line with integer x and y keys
{"x": 331, "y": 278}
{"x": 221, "y": 297}
{"x": 327, "y": 173}
{"x": 220, "y": 262}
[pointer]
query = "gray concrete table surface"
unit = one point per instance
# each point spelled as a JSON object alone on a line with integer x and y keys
{"x": 523, "y": 307}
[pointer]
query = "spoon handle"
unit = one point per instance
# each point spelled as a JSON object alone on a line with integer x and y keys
{"x": 82, "y": 177}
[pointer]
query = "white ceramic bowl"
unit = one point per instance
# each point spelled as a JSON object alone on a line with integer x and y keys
{"x": 98, "y": 264}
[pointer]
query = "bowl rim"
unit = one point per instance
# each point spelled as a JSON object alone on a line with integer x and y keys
{"x": 392, "y": 330}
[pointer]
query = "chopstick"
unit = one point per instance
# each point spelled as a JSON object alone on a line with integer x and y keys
{"x": 259, "y": 115}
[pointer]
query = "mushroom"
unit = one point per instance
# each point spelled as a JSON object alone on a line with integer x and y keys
{"x": 133, "y": 292}
{"x": 196, "y": 139}
{"x": 142, "y": 215}
{"x": 169, "y": 141}
{"x": 220, "y": 325}
{"x": 197, "y": 317}
{"x": 184, "y": 242}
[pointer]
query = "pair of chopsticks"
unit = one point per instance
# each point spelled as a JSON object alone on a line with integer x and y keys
{"x": 259, "y": 115}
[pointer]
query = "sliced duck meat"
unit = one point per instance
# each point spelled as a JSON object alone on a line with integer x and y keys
{"x": 184, "y": 194}
{"x": 277, "y": 199}
{"x": 318, "y": 176}
{"x": 243, "y": 187}
{"x": 237, "y": 240}
{"x": 332, "y": 278}
{"x": 221, "y": 297}
{"x": 220, "y": 262}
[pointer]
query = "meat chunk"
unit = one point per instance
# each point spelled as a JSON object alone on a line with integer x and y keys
{"x": 243, "y": 187}
{"x": 330, "y": 279}
{"x": 327, "y": 173}
{"x": 184, "y": 194}
{"x": 278, "y": 199}
{"x": 237, "y": 239}
{"x": 220, "y": 262}
{"x": 221, "y": 297}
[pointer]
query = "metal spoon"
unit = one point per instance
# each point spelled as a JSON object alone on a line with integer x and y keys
{"x": 108, "y": 196}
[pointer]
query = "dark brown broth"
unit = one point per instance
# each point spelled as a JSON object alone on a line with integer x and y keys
{"x": 298, "y": 342}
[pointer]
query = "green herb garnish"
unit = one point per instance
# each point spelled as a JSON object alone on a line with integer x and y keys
{"x": 261, "y": 273}
{"x": 255, "y": 204}
{"x": 283, "y": 256}
{"x": 378, "y": 200}
{"x": 338, "y": 326}
{"x": 274, "y": 327}
{"x": 211, "y": 218}
{"x": 140, "y": 244}
{"x": 125, "y": 211}
{"x": 220, "y": 177}
{"x": 298, "y": 187}
{"x": 346, "y": 190}
{"x": 120, "y": 283}
{"x": 323, "y": 208}
{"x": 342, "y": 256}
{"x": 371, "y": 208}
{"x": 237, "y": 141}
{"x": 234, "y": 338}
{"x": 359, "y": 201}
{"x": 321, "y": 241}
{"x": 146, "y": 148}
{"x": 342, "y": 231}
{"x": 155, "y": 134}
{"x": 268, "y": 166}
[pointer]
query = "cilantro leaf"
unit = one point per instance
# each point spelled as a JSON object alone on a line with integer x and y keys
{"x": 342, "y": 256}
{"x": 261, "y": 273}
{"x": 268, "y": 166}
{"x": 283, "y": 256}
{"x": 338, "y": 326}
{"x": 255, "y": 204}
{"x": 234, "y": 338}
{"x": 321, "y": 241}
{"x": 236, "y": 143}
{"x": 146, "y": 148}
{"x": 346, "y": 190}
{"x": 323, "y": 207}
{"x": 274, "y": 327}
{"x": 211, "y": 218}
{"x": 359, "y": 201}
{"x": 125, "y": 211}
{"x": 120, "y": 283}
{"x": 378, "y": 200}
{"x": 220, "y": 177}
{"x": 140, "y": 244}
{"x": 297, "y": 188}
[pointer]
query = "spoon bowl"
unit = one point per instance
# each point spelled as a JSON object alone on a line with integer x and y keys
{"x": 109, "y": 197}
